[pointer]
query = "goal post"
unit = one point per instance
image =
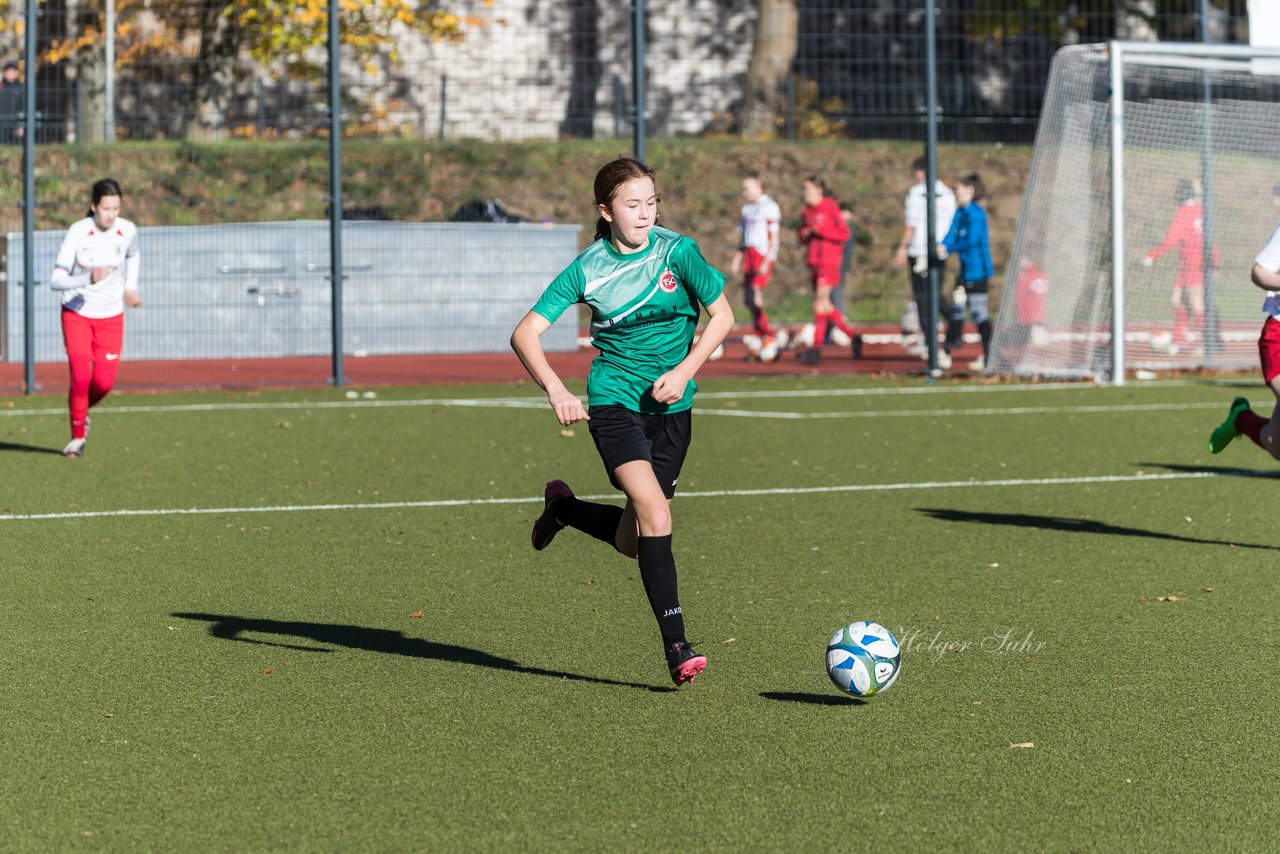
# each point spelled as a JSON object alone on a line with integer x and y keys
{"x": 1154, "y": 162}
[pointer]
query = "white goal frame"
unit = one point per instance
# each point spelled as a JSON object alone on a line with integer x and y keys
{"x": 1204, "y": 56}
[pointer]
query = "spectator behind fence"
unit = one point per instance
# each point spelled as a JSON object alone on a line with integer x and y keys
{"x": 13, "y": 101}
{"x": 97, "y": 272}
{"x": 912, "y": 248}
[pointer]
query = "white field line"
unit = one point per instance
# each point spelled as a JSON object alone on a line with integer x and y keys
{"x": 932, "y": 413}
{"x": 540, "y": 403}
{"x": 719, "y": 493}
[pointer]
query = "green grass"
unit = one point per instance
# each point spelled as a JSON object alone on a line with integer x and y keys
{"x": 257, "y": 681}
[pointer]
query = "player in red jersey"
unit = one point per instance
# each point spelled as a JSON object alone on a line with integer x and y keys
{"x": 1186, "y": 234}
{"x": 97, "y": 272}
{"x": 824, "y": 231}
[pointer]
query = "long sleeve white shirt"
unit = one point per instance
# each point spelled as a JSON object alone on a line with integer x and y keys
{"x": 86, "y": 246}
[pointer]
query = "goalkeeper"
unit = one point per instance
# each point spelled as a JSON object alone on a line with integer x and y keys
{"x": 968, "y": 238}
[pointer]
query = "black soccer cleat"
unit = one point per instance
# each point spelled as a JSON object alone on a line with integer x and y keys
{"x": 684, "y": 663}
{"x": 546, "y": 526}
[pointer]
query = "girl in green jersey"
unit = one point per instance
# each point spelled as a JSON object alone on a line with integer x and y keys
{"x": 646, "y": 286}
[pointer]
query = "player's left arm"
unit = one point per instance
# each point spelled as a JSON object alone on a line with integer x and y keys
{"x": 670, "y": 387}
{"x": 132, "y": 265}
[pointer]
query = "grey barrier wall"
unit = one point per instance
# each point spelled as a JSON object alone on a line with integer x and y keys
{"x": 262, "y": 290}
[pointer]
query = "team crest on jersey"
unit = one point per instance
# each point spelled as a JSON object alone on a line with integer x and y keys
{"x": 668, "y": 282}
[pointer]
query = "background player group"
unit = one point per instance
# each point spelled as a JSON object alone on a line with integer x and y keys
{"x": 826, "y": 231}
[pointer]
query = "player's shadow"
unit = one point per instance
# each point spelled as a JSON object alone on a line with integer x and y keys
{"x": 324, "y": 636}
{"x": 27, "y": 449}
{"x": 1077, "y": 526}
{"x": 1221, "y": 471}
{"x": 812, "y": 699}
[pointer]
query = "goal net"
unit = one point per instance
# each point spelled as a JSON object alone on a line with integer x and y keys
{"x": 1129, "y": 202}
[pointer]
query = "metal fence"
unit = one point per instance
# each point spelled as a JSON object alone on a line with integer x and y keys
{"x": 217, "y": 112}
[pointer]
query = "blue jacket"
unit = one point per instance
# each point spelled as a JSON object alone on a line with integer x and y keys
{"x": 967, "y": 238}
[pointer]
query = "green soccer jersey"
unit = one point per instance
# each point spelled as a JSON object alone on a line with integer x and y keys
{"x": 644, "y": 311}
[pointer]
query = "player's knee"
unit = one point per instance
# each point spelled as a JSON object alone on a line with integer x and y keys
{"x": 654, "y": 517}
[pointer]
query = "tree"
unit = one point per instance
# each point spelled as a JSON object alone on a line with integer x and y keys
{"x": 777, "y": 38}
{"x": 215, "y": 35}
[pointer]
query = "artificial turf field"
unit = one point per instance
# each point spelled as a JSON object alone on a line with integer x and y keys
{"x": 292, "y": 621}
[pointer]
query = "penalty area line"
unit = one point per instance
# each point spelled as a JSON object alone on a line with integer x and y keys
{"x": 716, "y": 493}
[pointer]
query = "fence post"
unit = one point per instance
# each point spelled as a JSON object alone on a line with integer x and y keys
{"x": 29, "y": 205}
{"x": 637, "y": 77}
{"x": 335, "y": 192}
{"x": 444, "y": 100}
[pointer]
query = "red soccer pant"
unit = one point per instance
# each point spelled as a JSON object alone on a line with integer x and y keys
{"x": 93, "y": 352}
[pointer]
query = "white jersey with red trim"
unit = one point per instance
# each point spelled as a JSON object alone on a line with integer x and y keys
{"x": 87, "y": 246}
{"x": 761, "y": 222}
{"x": 1269, "y": 259}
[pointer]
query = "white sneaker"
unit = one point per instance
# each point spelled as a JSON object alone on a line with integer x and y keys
{"x": 783, "y": 337}
{"x": 839, "y": 338}
{"x": 978, "y": 364}
{"x": 74, "y": 448}
{"x": 944, "y": 360}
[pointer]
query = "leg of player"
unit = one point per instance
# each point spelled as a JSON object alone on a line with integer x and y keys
{"x": 561, "y": 509}
{"x": 78, "y": 337}
{"x": 1241, "y": 419}
{"x": 658, "y": 566}
{"x": 1196, "y": 297}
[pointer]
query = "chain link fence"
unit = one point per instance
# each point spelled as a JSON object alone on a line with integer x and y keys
{"x": 217, "y": 113}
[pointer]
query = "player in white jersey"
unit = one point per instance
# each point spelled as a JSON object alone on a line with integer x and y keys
{"x": 913, "y": 254}
{"x": 758, "y": 250}
{"x": 97, "y": 272}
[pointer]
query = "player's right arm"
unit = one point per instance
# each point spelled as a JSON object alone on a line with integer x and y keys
{"x": 565, "y": 290}
{"x": 1266, "y": 266}
{"x": 526, "y": 340}
{"x": 1268, "y": 280}
{"x": 67, "y": 275}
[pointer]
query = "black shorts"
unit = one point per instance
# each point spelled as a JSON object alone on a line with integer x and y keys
{"x": 623, "y": 436}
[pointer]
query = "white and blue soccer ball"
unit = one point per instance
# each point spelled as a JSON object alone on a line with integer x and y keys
{"x": 863, "y": 658}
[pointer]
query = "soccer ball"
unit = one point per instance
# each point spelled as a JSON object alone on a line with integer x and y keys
{"x": 863, "y": 659}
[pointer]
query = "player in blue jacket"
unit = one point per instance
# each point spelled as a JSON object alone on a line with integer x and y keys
{"x": 968, "y": 239}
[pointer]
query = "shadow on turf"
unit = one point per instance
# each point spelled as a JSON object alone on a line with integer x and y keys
{"x": 1222, "y": 471}
{"x": 812, "y": 699}
{"x": 1079, "y": 526}
{"x": 381, "y": 640}
{"x": 27, "y": 449}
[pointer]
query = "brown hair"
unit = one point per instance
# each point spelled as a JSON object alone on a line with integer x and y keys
{"x": 611, "y": 176}
{"x": 975, "y": 181}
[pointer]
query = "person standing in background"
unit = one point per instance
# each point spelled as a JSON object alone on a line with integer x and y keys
{"x": 824, "y": 232}
{"x": 913, "y": 251}
{"x": 13, "y": 105}
{"x": 757, "y": 251}
{"x": 967, "y": 238}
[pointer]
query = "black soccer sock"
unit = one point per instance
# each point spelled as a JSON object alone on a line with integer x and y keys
{"x": 599, "y": 520}
{"x": 658, "y": 572}
{"x": 955, "y": 331}
{"x": 984, "y": 329}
